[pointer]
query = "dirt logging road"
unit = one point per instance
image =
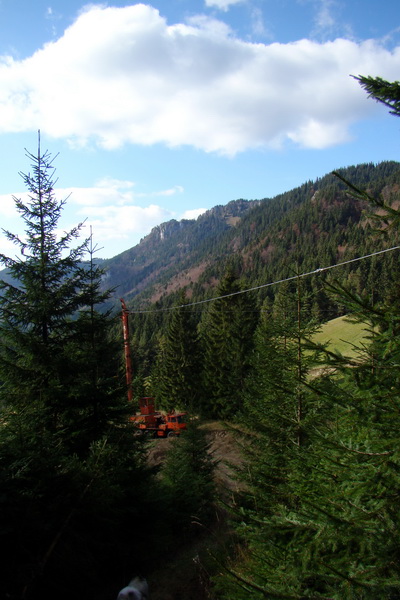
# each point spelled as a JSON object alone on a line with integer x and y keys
{"x": 190, "y": 562}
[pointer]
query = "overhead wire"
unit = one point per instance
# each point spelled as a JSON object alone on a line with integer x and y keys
{"x": 265, "y": 285}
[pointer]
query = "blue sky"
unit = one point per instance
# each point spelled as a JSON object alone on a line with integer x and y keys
{"x": 160, "y": 111}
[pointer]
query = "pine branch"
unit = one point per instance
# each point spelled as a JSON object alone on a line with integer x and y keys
{"x": 267, "y": 592}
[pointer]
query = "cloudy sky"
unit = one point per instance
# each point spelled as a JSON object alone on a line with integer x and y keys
{"x": 160, "y": 111}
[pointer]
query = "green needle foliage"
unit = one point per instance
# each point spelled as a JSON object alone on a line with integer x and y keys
{"x": 388, "y": 93}
{"x": 71, "y": 472}
{"x": 176, "y": 375}
{"x": 279, "y": 413}
{"x": 188, "y": 477}
{"x": 227, "y": 339}
{"x": 319, "y": 517}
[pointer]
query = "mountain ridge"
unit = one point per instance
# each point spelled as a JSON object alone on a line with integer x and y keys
{"x": 318, "y": 221}
{"x": 314, "y": 225}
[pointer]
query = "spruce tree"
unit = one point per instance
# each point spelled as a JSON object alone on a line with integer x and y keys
{"x": 71, "y": 471}
{"x": 356, "y": 549}
{"x": 176, "y": 375}
{"x": 227, "y": 331}
{"x": 188, "y": 477}
{"x": 36, "y": 309}
{"x": 330, "y": 528}
{"x": 280, "y": 410}
{"x": 96, "y": 397}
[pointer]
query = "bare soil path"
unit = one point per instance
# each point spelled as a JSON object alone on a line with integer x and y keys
{"x": 186, "y": 575}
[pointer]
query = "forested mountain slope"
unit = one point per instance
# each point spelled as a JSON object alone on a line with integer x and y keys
{"x": 173, "y": 247}
{"x": 313, "y": 226}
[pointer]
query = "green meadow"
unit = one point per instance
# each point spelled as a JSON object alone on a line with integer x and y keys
{"x": 342, "y": 336}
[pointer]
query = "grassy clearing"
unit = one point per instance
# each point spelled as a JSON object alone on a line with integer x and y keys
{"x": 342, "y": 336}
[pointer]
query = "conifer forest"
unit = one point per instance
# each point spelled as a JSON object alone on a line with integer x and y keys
{"x": 223, "y": 313}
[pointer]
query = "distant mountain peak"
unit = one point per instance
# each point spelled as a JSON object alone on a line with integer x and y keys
{"x": 259, "y": 235}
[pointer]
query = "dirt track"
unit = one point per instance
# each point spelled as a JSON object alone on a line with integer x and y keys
{"x": 223, "y": 448}
{"x": 190, "y": 562}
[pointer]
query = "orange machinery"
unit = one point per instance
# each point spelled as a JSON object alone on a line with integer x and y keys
{"x": 149, "y": 421}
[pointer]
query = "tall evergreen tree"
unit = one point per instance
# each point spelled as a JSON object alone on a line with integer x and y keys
{"x": 280, "y": 409}
{"x": 188, "y": 477}
{"x": 71, "y": 473}
{"x": 334, "y": 533}
{"x": 95, "y": 397}
{"x": 355, "y": 546}
{"x": 227, "y": 335}
{"x": 36, "y": 309}
{"x": 176, "y": 375}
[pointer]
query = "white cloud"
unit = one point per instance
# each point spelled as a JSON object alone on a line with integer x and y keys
{"x": 222, "y": 4}
{"x": 112, "y": 191}
{"x": 258, "y": 26}
{"x": 122, "y": 75}
{"x": 114, "y": 184}
{"x": 325, "y": 19}
{"x": 110, "y": 207}
{"x": 177, "y": 189}
{"x": 328, "y": 20}
{"x": 193, "y": 213}
{"x": 7, "y": 205}
{"x": 125, "y": 224}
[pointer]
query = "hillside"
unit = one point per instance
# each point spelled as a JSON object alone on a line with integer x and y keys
{"x": 315, "y": 225}
{"x": 342, "y": 336}
{"x": 240, "y": 361}
{"x": 174, "y": 248}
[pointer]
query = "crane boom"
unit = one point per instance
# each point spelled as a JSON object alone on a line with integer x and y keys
{"x": 127, "y": 349}
{"x": 149, "y": 421}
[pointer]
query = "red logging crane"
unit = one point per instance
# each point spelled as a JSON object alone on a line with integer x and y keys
{"x": 127, "y": 350}
{"x": 149, "y": 420}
